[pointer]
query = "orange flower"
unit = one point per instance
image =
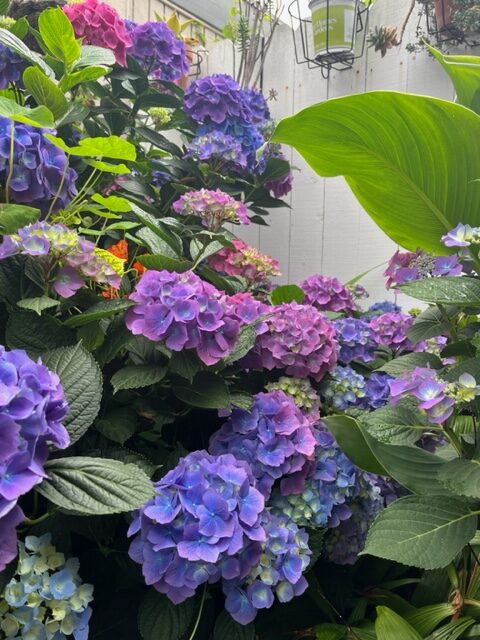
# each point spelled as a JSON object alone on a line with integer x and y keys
{"x": 139, "y": 268}
{"x": 120, "y": 250}
{"x": 110, "y": 294}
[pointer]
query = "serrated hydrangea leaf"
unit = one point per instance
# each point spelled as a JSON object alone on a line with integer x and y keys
{"x": 430, "y": 323}
{"x": 82, "y": 381}
{"x": 245, "y": 343}
{"x": 103, "y": 309}
{"x": 118, "y": 425}
{"x": 207, "y": 391}
{"x": 226, "y": 627}
{"x": 14, "y": 216}
{"x": 397, "y": 425}
{"x": 26, "y": 330}
{"x": 160, "y": 262}
{"x": 460, "y": 291}
{"x": 38, "y": 304}
{"x": 422, "y": 531}
{"x": 95, "y": 486}
{"x": 403, "y": 364}
{"x": 287, "y": 293}
{"x": 160, "y": 619}
{"x": 137, "y": 376}
{"x": 389, "y": 625}
{"x": 185, "y": 364}
{"x": 461, "y": 477}
{"x": 117, "y": 338}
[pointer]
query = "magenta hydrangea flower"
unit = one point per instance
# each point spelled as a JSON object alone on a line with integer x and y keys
{"x": 299, "y": 339}
{"x": 216, "y": 98}
{"x": 32, "y": 408}
{"x": 100, "y": 24}
{"x": 214, "y": 208}
{"x": 408, "y": 266}
{"x": 246, "y": 261}
{"x": 273, "y": 437}
{"x": 204, "y": 524}
{"x": 390, "y": 330}
{"x": 185, "y": 312}
{"x": 158, "y": 50}
{"x": 328, "y": 294}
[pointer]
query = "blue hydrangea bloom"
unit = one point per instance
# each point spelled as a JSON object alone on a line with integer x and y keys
{"x": 344, "y": 388}
{"x": 377, "y": 391}
{"x": 12, "y": 67}
{"x": 379, "y": 308}
{"x": 355, "y": 340}
{"x": 246, "y": 134}
{"x": 220, "y": 151}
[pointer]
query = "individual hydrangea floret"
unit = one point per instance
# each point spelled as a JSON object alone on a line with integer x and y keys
{"x": 462, "y": 236}
{"x": 244, "y": 260}
{"x": 12, "y": 67}
{"x": 216, "y": 98}
{"x": 278, "y": 572}
{"x": 328, "y": 294}
{"x": 158, "y": 50}
{"x": 377, "y": 391}
{"x": 344, "y": 388}
{"x": 40, "y": 173}
{"x": 204, "y": 524}
{"x": 409, "y": 266}
{"x": 100, "y": 24}
{"x": 185, "y": 312}
{"x": 69, "y": 259}
{"x": 273, "y": 437}
{"x": 303, "y": 394}
{"x": 355, "y": 340}
{"x": 46, "y": 598}
{"x": 222, "y": 152}
{"x": 32, "y": 408}
{"x": 214, "y": 208}
{"x": 390, "y": 330}
{"x": 299, "y": 339}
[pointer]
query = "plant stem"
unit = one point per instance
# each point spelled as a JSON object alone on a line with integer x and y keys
{"x": 32, "y": 521}
{"x": 199, "y": 615}
{"x": 10, "y": 168}
{"x": 59, "y": 191}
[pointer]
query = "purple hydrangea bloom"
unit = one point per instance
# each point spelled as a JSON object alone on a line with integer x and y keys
{"x": 281, "y": 186}
{"x": 221, "y": 151}
{"x": 216, "y": 98}
{"x": 12, "y": 67}
{"x": 408, "y": 266}
{"x": 303, "y": 394}
{"x": 380, "y": 308}
{"x": 157, "y": 49}
{"x": 258, "y": 105}
{"x": 328, "y": 294}
{"x": 390, "y": 330}
{"x": 214, "y": 208}
{"x": 39, "y": 167}
{"x": 344, "y": 388}
{"x": 377, "y": 391}
{"x": 246, "y": 134}
{"x": 355, "y": 340}
{"x": 32, "y": 407}
{"x": 273, "y": 437}
{"x": 186, "y": 313}
{"x": 9, "y": 522}
{"x": 298, "y": 339}
{"x": 278, "y": 571}
{"x": 204, "y": 524}
{"x": 462, "y": 236}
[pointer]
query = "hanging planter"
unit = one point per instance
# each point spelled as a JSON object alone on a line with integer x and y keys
{"x": 455, "y": 21}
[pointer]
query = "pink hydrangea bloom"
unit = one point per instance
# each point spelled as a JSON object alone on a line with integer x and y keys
{"x": 328, "y": 294}
{"x": 390, "y": 330}
{"x": 213, "y": 207}
{"x": 246, "y": 261}
{"x": 99, "y": 24}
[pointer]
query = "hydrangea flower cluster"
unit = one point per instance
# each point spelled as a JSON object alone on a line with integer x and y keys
{"x": 12, "y": 67}
{"x": 185, "y": 312}
{"x": 214, "y": 208}
{"x": 220, "y": 151}
{"x": 328, "y": 294}
{"x": 46, "y": 597}
{"x": 245, "y": 133}
{"x": 379, "y": 308}
{"x": 280, "y": 187}
{"x": 462, "y": 236}
{"x": 355, "y": 340}
{"x": 408, "y": 266}
{"x": 157, "y": 49}
{"x": 244, "y": 260}
{"x": 40, "y": 171}
{"x": 277, "y": 572}
{"x": 32, "y": 407}
{"x": 100, "y": 24}
{"x": 390, "y": 330}
{"x": 258, "y": 105}
{"x": 273, "y": 438}
{"x": 437, "y": 397}
{"x": 298, "y": 339}
{"x": 344, "y": 388}
{"x": 377, "y": 391}
{"x": 303, "y": 394}
{"x": 77, "y": 258}
{"x": 204, "y": 524}
{"x": 331, "y": 482}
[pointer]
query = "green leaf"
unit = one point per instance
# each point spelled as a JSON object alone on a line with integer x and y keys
{"x": 91, "y": 336}
{"x": 95, "y": 486}
{"x": 245, "y": 343}
{"x": 38, "y": 304}
{"x": 462, "y": 477}
{"x": 92, "y": 56}
{"x": 45, "y": 91}
{"x": 327, "y": 631}
{"x": 89, "y": 74}
{"x": 185, "y": 364}
{"x": 422, "y": 531}
{"x": 155, "y": 99}
{"x": 137, "y": 377}
{"x": 77, "y": 112}
{"x": 454, "y": 630}
{"x": 426, "y": 150}
{"x": 461, "y": 291}
{"x": 409, "y": 362}
{"x": 426, "y": 619}
{"x": 39, "y": 117}
{"x": 4, "y": 5}
{"x": 396, "y": 425}
{"x": 464, "y": 72}
{"x": 104, "y": 309}
{"x": 118, "y": 425}
{"x": 207, "y": 390}
{"x": 108, "y": 147}
{"x": 160, "y": 619}
{"x": 158, "y": 229}
{"x": 389, "y": 624}
{"x": 226, "y": 628}
{"x": 118, "y": 337}
{"x": 82, "y": 382}
{"x": 431, "y": 323}
{"x": 15, "y": 216}
{"x": 119, "y": 169}
{"x": 35, "y": 334}
{"x": 159, "y": 141}
{"x": 13, "y": 42}
{"x": 160, "y": 262}
{"x": 154, "y": 243}
{"x": 287, "y": 293}
{"x": 58, "y": 35}
{"x": 113, "y": 203}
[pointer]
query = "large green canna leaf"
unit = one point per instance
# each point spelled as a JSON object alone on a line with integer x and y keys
{"x": 410, "y": 160}
{"x": 464, "y": 72}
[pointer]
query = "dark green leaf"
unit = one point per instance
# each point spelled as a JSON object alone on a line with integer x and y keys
{"x": 37, "y": 304}
{"x": 155, "y": 99}
{"x": 208, "y": 391}
{"x": 403, "y": 364}
{"x": 15, "y": 216}
{"x": 287, "y": 293}
{"x": 15, "y": 43}
{"x": 402, "y": 424}
{"x": 104, "y": 309}
{"x": 431, "y": 323}
{"x": 461, "y": 291}
{"x": 118, "y": 425}
{"x": 245, "y": 343}
{"x": 137, "y": 377}
{"x": 159, "y": 141}
{"x": 462, "y": 477}
{"x": 155, "y": 225}
{"x": 160, "y": 619}
{"x": 160, "y": 262}
{"x": 227, "y": 629}
{"x": 185, "y": 364}
{"x": 389, "y": 624}
{"x": 35, "y": 334}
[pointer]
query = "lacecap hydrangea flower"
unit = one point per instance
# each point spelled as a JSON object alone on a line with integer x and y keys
{"x": 204, "y": 524}
{"x": 355, "y": 340}
{"x": 158, "y": 50}
{"x": 462, "y": 236}
{"x": 390, "y": 330}
{"x": 220, "y": 151}
{"x": 299, "y": 339}
{"x": 46, "y": 598}
{"x": 69, "y": 259}
{"x": 214, "y": 208}
{"x": 32, "y": 408}
{"x": 12, "y": 67}
{"x": 185, "y": 312}
{"x": 278, "y": 572}
{"x": 328, "y": 294}
{"x": 100, "y": 24}
{"x": 244, "y": 260}
{"x": 40, "y": 171}
{"x": 273, "y": 437}
{"x": 408, "y": 266}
